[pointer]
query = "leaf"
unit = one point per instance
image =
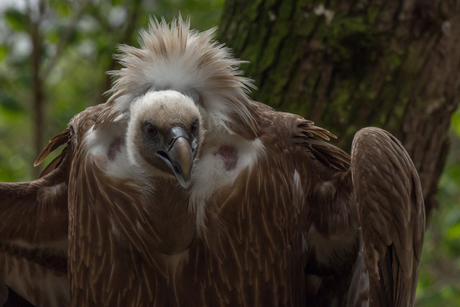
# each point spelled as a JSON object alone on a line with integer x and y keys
{"x": 9, "y": 103}
{"x": 3, "y": 52}
{"x": 17, "y": 20}
{"x": 455, "y": 121}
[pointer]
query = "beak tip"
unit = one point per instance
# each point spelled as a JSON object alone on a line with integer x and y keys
{"x": 179, "y": 156}
{"x": 184, "y": 182}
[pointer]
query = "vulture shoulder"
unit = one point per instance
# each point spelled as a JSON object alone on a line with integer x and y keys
{"x": 392, "y": 215}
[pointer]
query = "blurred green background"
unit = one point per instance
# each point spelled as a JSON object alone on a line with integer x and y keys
{"x": 77, "y": 41}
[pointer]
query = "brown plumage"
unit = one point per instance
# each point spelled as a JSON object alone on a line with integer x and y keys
{"x": 124, "y": 231}
{"x": 33, "y": 237}
{"x": 270, "y": 217}
{"x": 392, "y": 212}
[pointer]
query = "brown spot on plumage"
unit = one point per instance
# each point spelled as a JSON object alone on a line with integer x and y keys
{"x": 229, "y": 155}
{"x": 115, "y": 147}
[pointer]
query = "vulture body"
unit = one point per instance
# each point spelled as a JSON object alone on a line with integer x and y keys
{"x": 269, "y": 216}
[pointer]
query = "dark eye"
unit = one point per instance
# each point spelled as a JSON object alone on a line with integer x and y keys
{"x": 151, "y": 130}
{"x": 194, "y": 127}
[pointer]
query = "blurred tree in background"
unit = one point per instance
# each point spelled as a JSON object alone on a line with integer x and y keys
{"x": 350, "y": 64}
{"x": 54, "y": 55}
{"x": 53, "y": 59}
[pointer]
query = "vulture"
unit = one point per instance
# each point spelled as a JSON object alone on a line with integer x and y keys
{"x": 182, "y": 191}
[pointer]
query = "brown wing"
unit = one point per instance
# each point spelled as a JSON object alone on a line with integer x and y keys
{"x": 34, "y": 222}
{"x": 334, "y": 260}
{"x": 392, "y": 214}
{"x": 33, "y": 233}
{"x": 36, "y": 212}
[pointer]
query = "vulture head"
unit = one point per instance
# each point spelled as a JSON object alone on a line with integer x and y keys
{"x": 173, "y": 57}
{"x": 164, "y": 134}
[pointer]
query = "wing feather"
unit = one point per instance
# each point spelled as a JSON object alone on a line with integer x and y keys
{"x": 33, "y": 232}
{"x": 54, "y": 164}
{"x": 328, "y": 154}
{"x": 391, "y": 208}
{"x": 53, "y": 144}
{"x": 331, "y": 229}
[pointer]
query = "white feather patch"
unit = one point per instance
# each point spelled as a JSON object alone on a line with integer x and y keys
{"x": 297, "y": 193}
{"x": 108, "y": 145}
{"x": 210, "y": 172}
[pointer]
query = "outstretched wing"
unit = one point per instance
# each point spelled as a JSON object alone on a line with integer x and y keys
{"x": 392, "y": 215}
{"x": 33, "y": 232}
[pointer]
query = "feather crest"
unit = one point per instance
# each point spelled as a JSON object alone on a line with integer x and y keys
{"x": 177, "y": 58}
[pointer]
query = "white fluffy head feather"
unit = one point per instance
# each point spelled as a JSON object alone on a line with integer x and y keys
{"x": 166, "y": 107}
{"x": 177, "y": 58}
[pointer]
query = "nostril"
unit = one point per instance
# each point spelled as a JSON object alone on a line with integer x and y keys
{"x": 171, "y": 143}
{"x": 176, "y": 169}
{"x": 163, "y": 154}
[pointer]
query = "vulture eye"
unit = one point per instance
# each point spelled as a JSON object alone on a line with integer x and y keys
{"x": 151, "y": 131}
{"x": 194, "y": 127}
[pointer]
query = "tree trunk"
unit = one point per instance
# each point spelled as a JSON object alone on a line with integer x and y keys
{"x": 37, "y": 81}
{"x": 40, "y": 72}
{"x": 350, "y": 64}
{"x": 134, "y": 10}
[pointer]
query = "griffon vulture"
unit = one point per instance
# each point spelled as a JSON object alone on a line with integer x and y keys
{"x": 270, "y": 215}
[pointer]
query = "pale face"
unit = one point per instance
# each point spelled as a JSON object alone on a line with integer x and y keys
{"x": 164, "y": 134}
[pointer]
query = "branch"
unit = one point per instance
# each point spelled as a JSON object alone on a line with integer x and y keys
{"x": 65, "y": 38}
{"x": 131, "y": 26}
{"x": 37, "y": 84}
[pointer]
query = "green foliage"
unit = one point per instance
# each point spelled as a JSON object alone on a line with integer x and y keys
{"x": 77, "y": 80}
{"x": 439, "y": 283}
{"x": 456, "y": 123}
{"x": 17, "y": 20}
{"x": 78, "y": 45}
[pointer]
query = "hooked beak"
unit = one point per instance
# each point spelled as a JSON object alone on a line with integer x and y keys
{"x": 179, "y": 155}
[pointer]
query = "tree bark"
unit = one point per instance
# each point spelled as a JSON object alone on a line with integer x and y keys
{"x": 350, "y": 64}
